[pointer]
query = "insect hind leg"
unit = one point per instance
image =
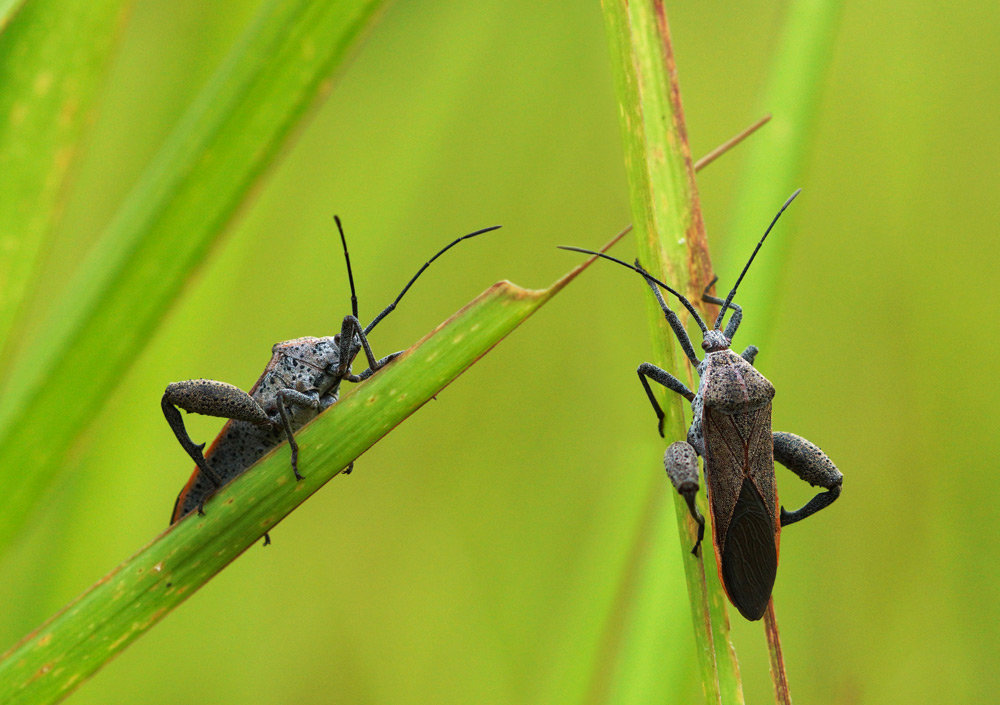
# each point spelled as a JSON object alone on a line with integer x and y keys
{"x": 206, "y": 396}
{"x": 811, "y": 464}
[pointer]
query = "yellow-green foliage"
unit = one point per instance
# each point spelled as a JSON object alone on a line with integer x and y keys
{"x": 513, "y": 542}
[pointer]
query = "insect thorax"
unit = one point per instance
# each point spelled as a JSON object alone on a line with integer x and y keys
{"x": 304, "y": 364}
{"x": 729, "y": 384}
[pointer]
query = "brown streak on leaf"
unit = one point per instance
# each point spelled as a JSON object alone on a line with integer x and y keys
{"x": 699, "y": 261}
{"x": 782, "y": 696}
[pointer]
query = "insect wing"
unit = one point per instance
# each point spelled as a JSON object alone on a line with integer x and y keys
{"x": 739, "y": 457}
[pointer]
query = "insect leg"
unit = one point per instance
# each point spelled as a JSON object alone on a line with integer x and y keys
{"x": 656, "y": 374}
{"x": 673, "y": 319}
{"x": 206, "y": 396}
{"x": 734, "y": 320}
{"x": 750, "y": 354}
{"x": 372, "y": 370}
{"x": 681, "y": 463}
{"x": 350, "y": 328}
{"x": 812, "y": 465}
{"x": 285, "y": 398}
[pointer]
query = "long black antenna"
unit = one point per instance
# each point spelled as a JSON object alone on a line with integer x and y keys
{"x": 391, "y": 307}
{"x": 648, "y": 276}
{"x": 350, "y": 275}
{"x": 729, "y": 299}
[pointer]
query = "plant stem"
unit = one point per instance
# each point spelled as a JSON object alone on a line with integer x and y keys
{"x": 777, "y": 662}
{"x": 672, "y": 245}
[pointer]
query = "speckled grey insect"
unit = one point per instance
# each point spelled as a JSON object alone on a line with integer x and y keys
{"x": 731, "y": 431}
{"x": 301, "y": 380}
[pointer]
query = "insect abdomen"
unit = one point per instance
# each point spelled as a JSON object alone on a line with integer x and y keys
{"x": 739, "y": 467}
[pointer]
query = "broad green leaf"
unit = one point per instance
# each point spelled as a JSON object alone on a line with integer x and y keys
{"x": 53, "y": 55}
{"x": 189, "y": 193}
{"x": 48, "y": 664}
{"x": 777, "y": 158}
{"x": 8, "y": 9}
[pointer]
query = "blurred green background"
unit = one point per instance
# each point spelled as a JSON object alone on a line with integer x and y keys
{"x": 511, "y": 543}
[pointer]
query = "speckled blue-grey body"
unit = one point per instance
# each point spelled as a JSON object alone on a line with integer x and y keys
{"x": 305, "y": 365}
{"x": 301, "y": 380}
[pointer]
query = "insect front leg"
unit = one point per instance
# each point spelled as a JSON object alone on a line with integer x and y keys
{"x": 206, "y": 396}
{"x": 734, "y": 321}
{"x": 681, "y": 463}
{"x": 812, "y": 465}
{"x": 651, "y": 371}
{"x": 350, "y": 328}
{"x": 672, "y": 318}
{"x": 286, "y": 397}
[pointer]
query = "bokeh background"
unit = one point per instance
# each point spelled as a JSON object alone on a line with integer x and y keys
{"x": 512, "y": 542}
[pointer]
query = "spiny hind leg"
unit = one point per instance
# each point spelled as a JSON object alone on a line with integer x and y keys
{"x": 811, "y": 464}
{"x": 212, "y": 398}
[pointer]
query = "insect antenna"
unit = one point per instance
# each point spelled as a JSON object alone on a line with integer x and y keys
{"x": 648, "y": 276}
{"x": 350, "y": 275}
{"x": 729, "y": 299}
{"x": 391, "y": 307}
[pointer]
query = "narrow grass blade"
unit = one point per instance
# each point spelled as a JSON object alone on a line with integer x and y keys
{"x": 777, "y": 159}
{"x": 8, "y": 9}
{"x": 192, "y": 189}
{"x": 782, "y": 695}
{"x": 672, "y": 246}
{"x": 730, "y": 143}
{"x": 53, "y": 56}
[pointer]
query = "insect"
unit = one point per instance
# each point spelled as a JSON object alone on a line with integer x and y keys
{"x": 301, "y": 380}
{"x": 731, "y": 431}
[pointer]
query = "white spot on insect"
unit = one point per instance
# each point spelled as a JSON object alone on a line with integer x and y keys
{"x": 158, "y": 567}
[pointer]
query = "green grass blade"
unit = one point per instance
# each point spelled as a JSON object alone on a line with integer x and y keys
{"x": 53, "y": 56}
{"x": 671, "y": 244}
{"x": 192, "y": 189}
{"x": 8, "y": 9}
{"x": 777, "y": 158}
{"x": 74, "y": 644}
